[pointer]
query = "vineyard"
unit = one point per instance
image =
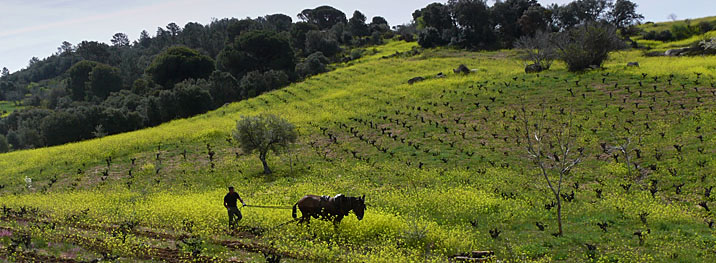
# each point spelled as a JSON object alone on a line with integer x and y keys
{"x": 442, "y": 163}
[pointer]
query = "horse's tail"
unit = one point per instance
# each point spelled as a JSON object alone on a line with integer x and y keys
{"x": 294, "y": 211}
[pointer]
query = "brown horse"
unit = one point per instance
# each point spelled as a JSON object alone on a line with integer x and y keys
{"x": 329, "y": 208}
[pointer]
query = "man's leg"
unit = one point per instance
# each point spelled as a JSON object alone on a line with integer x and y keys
{"x": 231, "y": 217}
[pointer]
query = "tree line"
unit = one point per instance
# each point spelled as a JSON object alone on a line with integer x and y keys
{"x": 93, "y": 89}
{"x": 472, "y": 24}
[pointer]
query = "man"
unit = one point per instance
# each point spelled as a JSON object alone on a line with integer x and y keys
{"x": 230, "y": 204}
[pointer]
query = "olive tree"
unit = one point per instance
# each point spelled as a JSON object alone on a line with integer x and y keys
{"x": 264, "y": 133}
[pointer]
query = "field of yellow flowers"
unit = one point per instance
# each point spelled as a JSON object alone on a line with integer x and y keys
{"x": 440, "y": 161}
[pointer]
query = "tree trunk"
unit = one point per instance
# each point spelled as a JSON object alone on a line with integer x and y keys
{"x": 559, "y": 215}
{"x": 267, "y": 170}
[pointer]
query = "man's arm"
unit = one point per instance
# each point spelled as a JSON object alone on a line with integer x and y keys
{"x": 225, "y": 204}
{"x": 242, "y": 201}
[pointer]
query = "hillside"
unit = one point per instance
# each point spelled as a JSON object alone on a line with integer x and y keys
{"x": 438, "y": 162}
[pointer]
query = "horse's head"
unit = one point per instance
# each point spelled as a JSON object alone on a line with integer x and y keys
{"x": 358, "y": 206}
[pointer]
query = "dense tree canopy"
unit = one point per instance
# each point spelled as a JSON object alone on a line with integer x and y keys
{"x": 79, "y": 75}
{"x": 434, "y": 15}
{"x": 102, "y": 80}
{"x": 257, "y": 50}
{"x": 180, "y": 63}
{"x": 357, "y": 25}
{"x": 473, "y": 18}
{"x": 324, "y": 17}
{"x": 475, "y": 25}
{"x": 624, "y": 14}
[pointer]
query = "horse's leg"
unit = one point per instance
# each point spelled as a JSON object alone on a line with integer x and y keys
{"x": 306, "y": 218}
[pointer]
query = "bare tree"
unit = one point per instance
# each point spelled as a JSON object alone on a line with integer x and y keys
{"x": 672, "y": 17}
{"x": 538, "y": 49}
{"x": 552, "y": 149}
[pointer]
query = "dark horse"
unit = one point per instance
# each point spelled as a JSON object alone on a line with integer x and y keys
{"x": 329, "y": 208}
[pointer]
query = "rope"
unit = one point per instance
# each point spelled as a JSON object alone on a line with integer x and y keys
{"x": 271, "y": 206}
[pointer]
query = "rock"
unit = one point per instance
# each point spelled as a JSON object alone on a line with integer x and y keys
{"x": 633, "y": 64}
{"x": 533, "y": 68}
{"x": 654, "y": 54}
{"x": 440, "y": 75}
{"x": 677, "y": 51}
{"x": 415, "y": 79}
{"x": 461, "y": 69}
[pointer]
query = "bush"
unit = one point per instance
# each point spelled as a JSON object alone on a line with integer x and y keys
{"x": 321, "y": 41}
{"x": 314, "y": 64}
{"x": 376, "y": 38}
{"x": 192, "y": 97}
{"x": 682, "y": 31}
{"x": 588, "y": 45}
{"x": 4, "y": 145}
{"x": 356, "y": 54}
{"x": 254, "y": 83}
{"x": 430, "y": 38}
{"x": 705, "y": 27}
{"x": 660, "y": 36}
{"x": 224, "y": 88}
{"x": 407, "y": 32}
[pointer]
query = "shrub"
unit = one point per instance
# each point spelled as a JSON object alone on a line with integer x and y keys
{"x": 430, "y": 38}
{"x": 254, "y": 83}
{"x": 356, "y": 54}
{"x": 323, "y": 42}
{"x": 4, "y": 145}
{"x": 586, "y": 46}
{"x": 224, "y": 88}
{"x": 705, "y": 27}
{"x": 683, "y": 31}
{"x": 660, "y": 36}
{"x": 406, "y": 32}
{"x": 376, "y": 38}
{"x": 314, "y": 64}
{"x": 193, "y": 97}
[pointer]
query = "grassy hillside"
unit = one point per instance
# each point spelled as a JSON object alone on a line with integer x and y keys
{"x": 660, "y": 46}
{"x": 661, "y": 26}
{"x": 438, "y": 161}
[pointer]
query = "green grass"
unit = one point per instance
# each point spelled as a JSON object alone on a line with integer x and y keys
{"x": 655, "y": 45}
{"x": 7, "y": 107}
{"x": 427, "y": 202}
{"x": 661, "y": 26}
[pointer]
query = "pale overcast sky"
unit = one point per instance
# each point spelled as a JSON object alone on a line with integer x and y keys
{"x": 37, "y": 27}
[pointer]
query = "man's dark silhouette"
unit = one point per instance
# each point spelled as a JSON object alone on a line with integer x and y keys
{"x": 230, "y": 204}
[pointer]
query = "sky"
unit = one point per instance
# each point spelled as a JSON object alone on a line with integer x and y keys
{"x": 35, "y": 28}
